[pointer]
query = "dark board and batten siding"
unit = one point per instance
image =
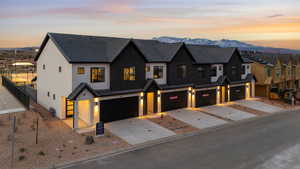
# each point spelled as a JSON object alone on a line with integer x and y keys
{"x": 206, "y": 97}
{"x": 173, "y": 100}
{"x": 119, "y": 109}
{"x": 129, "y": 57}
{"x": 181, "y": 58}
{"x": 236, "y": 62}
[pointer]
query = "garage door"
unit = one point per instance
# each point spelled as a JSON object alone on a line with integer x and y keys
{"x": 206, "y": 98}
{"x": 237, "y": 93}
{"x": 118, "y": 109}
{"x": 173, "y": 100}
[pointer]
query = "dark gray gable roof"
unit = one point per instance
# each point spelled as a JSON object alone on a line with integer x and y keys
{"x": 155, "y": 51}
{"x": 87, "y": 49}
{"x": 76, "y": 92}
{"x": 210, "y": 55}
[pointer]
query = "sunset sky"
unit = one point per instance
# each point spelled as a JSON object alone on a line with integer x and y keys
{"x": 266, "y": 22}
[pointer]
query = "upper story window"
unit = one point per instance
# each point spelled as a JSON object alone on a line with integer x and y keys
{"x": 148, "y": 68}
{"x": 158, "y": 72}
{"x": 233, "y": 70}
{"x": 181, "y": 71}
{"x": 243, "y": 69}
{"x": 97, "y": 74}
{"x": 44, "y": 66}
{"x": 80, "y": 71}
{"x": 59, "y": 69}
{"x": 201, "y": 71}
{"x": 129, "y": 73}
{"x": 213, "y": 71}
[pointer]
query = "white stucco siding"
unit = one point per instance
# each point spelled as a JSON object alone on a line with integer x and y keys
{"x": 149, "y": 74}
{"x": 247, "y": 70}
{"x": 51, "y": 80}
{"x": 86, "y": 77}
{"x": 219, "y": 72}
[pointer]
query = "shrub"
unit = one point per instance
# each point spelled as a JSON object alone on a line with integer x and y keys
{"x": 41, "y": 153}
{"x": 89, "y": 140}
{"x": 21, "y": 157}
{"x": 22, "y": 150}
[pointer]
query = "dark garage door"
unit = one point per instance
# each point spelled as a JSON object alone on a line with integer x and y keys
{"x": 118, "y": 109}
{"x": 173, "y": 100}
{"x": 206, "y": 98}
{"x": 237, "y": 93}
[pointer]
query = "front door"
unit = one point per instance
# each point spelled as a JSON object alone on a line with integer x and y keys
{"x": 223, "y": 94}
{"x": 150, "y": 102}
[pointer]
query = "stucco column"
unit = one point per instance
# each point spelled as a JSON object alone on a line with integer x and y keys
{"x": 158, "y": 102}
{"x": 253, "y": 88}
{"x": 75, "y": 116}
{"x": 92, "y": 105}
{"x": 141, "y": 104}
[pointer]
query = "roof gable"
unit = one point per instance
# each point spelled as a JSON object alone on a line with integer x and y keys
{"x": 210, "y": 54}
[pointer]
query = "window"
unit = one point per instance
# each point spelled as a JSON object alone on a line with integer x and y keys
{"x": 243, "y": 69}
{"x": 97, "y": 74}
{"x": 213, "y": 71}
{"x": 201, "y": 71}
{"x": 80, "y": 70}
{"x": 44, "y": 66}
{"x": 129, "y": 73}
{"x": 220, "y": 68}
{"x": 233, "y": 70}
{"x": 181, "y": 71}
{"x": 53, "y": 96}
{"x": 59, "y": 69}
{"x": 158, "y": 72}
{"x": 48, "y": 94}
{"x": 148, "y": 69}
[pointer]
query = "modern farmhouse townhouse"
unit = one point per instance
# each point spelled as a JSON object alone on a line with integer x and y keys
{"x": 89, "y": 79}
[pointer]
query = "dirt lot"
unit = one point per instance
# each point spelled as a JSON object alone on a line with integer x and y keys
{"x": 172, "y": 124}
{"x": 57, "y": 143}
{"x": 279, "y": 103}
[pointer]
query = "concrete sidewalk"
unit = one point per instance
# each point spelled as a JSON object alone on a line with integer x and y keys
{"x": 8, "y": 103}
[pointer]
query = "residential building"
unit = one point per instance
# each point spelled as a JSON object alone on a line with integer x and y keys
{"x": 91, "y": 79}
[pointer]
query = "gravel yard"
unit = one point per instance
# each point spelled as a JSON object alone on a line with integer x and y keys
{"x": 57, "y": 143}
{"x": 172, "y": 124}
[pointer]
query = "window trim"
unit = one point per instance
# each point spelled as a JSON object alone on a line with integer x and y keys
{"x": 91, "y": 75}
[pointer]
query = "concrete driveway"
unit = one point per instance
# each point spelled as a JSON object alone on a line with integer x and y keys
{"x": 257, "y": 105}
{"x": 196, "y": 118}
{"x": 8, "y": 103}
{"x": 136, "y": 131}
{"x": 228, "y": 112}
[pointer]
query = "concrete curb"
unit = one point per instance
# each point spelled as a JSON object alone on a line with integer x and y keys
{"x": 163, "y": 140}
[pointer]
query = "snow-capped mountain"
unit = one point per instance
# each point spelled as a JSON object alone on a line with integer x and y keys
{"x": 227, "y": 43}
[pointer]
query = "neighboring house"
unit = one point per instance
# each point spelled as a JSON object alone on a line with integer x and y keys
{"x": 91, "y": 79}
{"x": 277, "y": 72}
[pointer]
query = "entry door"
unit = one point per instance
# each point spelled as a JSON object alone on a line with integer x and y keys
{"x": 150, "y": 103}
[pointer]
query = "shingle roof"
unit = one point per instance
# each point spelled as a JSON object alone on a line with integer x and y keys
{"x": 81, "y": 48}
{"x": 210, "y": 55}
{"x": 97, "y": 49}
{"x": 156, "y": 51}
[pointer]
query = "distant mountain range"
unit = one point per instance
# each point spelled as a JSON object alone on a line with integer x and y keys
{"x": 222, "y": 43}
{"x": 21, "y": 49}
{"x": 228, "y": 43}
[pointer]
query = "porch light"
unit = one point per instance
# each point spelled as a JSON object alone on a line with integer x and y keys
{"x": 142, "y": 96}
{"x": 158, "y": 93}
{"x": 96, "y": 100}
{"x": 193, "y": 92}
{"x": 190, "y": 88}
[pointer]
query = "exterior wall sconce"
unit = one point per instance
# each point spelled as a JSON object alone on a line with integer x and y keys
{"x": 158, "y": 93}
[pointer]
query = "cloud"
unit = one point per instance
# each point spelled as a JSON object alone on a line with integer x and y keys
{"x": 275, "y": 16}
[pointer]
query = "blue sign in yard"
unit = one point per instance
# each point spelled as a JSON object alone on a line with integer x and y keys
{"x": 99, "y": 128}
